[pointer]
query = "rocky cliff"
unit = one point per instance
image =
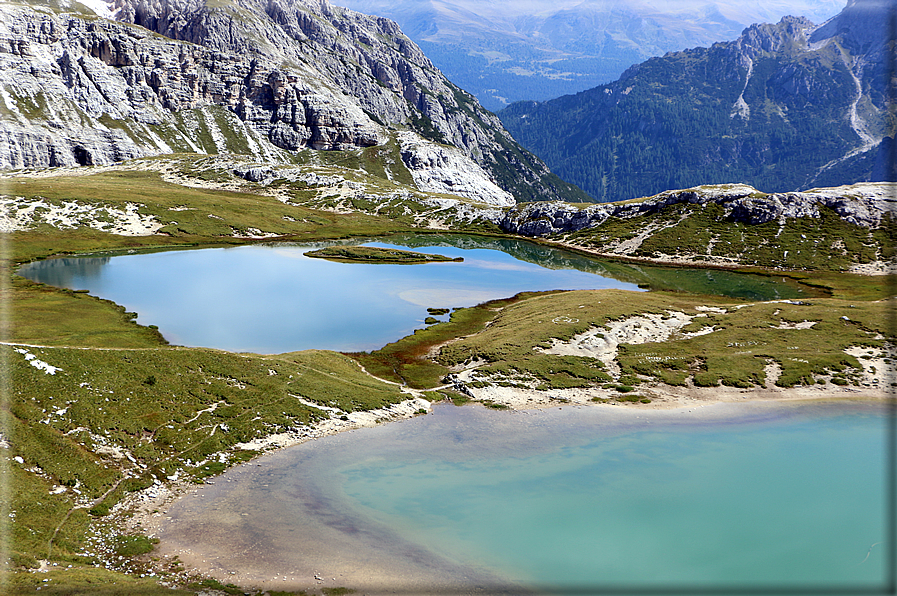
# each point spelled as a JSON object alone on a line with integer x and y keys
{"x": 252, "y": 77}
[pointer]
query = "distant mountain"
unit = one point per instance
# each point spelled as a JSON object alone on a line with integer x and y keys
{"x": 784, "y": 107}
{"x": 98, "y": 82}
{"x": 510, "y": 50}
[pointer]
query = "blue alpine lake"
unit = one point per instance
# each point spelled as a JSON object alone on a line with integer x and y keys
{"x": 721, "y": 499}
{"x": 746, "y": 498}
{"x": 273, "y": 299}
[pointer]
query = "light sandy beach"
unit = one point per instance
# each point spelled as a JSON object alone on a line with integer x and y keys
{"x": 331, "y": 550}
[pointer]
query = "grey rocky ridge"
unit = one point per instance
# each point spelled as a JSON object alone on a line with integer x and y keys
{"x": 863, "y": 205}
{"x": 259, "y": 78}
{"x": 848, "y": 228}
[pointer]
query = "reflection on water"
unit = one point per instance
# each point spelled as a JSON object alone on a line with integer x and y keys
{"x": 66, "y": 272}
{"x": 679, "y": 279}
{"x": 272, "y": 299}
{"x": 740, "y": 498}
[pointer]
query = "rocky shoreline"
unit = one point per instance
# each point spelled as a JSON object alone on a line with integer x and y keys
{"x": 862, "y": 204}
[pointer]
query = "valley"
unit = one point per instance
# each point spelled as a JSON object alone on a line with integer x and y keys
{"x": 602, "y": 348}
{"x": 178, "y": 130}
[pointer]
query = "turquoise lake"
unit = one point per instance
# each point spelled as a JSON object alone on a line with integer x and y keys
{"x": 728, "y": 498}
{"x": 273, "y": 299}
{"x": 741, "y": 499}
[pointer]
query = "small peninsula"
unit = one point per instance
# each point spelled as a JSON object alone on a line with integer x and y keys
{"x": 370, "y": 254}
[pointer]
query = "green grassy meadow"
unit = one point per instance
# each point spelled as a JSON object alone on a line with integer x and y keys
{"x": 122, "y": 410}
{"x": 744, "y": 340}
{"x": 703, "y": 231}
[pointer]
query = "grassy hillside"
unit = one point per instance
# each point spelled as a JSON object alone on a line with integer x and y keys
{"x": 98, "y": 407}
{"x": 704, "y": 233}
{"x": 743, "y": 340}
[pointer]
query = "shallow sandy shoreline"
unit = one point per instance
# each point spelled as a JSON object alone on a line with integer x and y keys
{"x": 146, "y": 512}
{"x": 146, "y": 509}
{"x": 667, "y": 397}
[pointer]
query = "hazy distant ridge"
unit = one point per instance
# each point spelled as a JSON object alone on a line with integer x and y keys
{"x": 784, "y": 107}
{"x": 507, "y": 50}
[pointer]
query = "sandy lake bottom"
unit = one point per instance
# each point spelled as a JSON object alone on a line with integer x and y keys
{"x": 727, "y": 497}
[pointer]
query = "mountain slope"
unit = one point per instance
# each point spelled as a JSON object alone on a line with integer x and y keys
{"x": 784, "y": 107}
{"x": 265, "y": 79}
{"x": 507, "y": 50}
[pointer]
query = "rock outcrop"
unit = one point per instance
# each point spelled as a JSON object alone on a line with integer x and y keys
{"x": 860, "y": 204}
{"x": 260, "y": 78}
{"x": 442, "y": 169}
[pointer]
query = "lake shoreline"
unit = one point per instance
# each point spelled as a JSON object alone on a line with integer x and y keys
{"x": 872, "y": 269}
{"x": 147, "y": 511}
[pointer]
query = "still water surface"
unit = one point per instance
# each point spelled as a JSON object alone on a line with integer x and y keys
{"x": 569, "y": 499}
{"x": 272, "y": 299}
{"x": 746, "y": 497}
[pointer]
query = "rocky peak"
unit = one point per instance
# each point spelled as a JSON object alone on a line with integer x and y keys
{"x": 259, "y": 77}
{"x": 788, "y": 34}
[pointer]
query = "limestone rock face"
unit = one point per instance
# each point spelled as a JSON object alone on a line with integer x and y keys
{"x": 543, "y": 219}
{"x": 442, "y": 169}
{"x": 860, "y": 204}
{"x": 257, "y": 77}
{"x": 96, "y": 87}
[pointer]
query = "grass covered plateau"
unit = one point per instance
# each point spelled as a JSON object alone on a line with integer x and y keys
{"x": 673, "y": 339}
{"x": 703, "y": 233}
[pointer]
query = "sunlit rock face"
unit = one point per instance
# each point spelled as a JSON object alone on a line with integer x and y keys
{"x": 860, "y": 204}
{"x": 266, "y": 79}
{"x": 441, "y": 169}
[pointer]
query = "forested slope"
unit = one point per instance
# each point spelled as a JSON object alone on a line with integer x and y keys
{"x": 784, "y": 107}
